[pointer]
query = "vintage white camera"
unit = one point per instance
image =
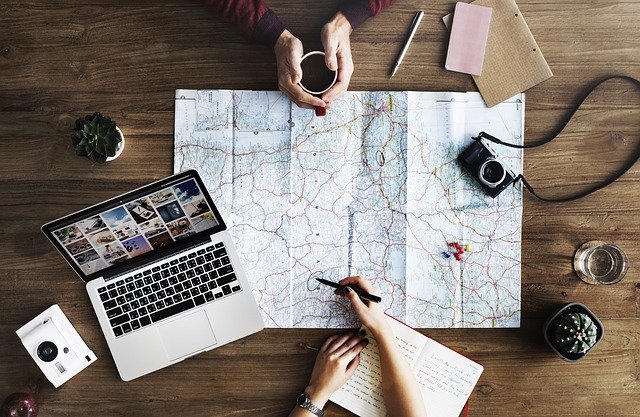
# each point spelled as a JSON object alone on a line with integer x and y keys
{"x": 55, "y": 345}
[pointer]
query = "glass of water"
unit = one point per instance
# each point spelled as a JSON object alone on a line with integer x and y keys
{"x": 598, "y": 262}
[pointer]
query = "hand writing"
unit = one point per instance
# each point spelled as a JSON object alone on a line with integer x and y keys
{"x": 370, "y": 314}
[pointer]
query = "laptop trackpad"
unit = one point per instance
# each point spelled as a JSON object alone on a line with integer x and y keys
{"x": 187, "y": 335}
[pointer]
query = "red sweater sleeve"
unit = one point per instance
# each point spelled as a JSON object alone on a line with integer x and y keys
{"x": 259, "y": 23}
{"x": 357, "y": 11}
{"x": 252, "y": 17}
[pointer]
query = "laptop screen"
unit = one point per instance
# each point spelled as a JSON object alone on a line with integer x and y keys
{"x": 158, "y": 217}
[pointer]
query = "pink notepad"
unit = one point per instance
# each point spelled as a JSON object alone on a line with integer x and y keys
{"x": 468, "y": 41}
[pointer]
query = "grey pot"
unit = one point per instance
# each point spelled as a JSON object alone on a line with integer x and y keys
{"x": 551, "y": 324}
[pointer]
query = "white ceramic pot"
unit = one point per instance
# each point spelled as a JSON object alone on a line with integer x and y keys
{"x": 120, "y": 147}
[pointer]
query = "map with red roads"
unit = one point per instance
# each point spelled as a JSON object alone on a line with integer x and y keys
{"x": 372, "y": 189}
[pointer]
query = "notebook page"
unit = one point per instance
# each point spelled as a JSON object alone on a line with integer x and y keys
{"x": 362, "y": 394}
{"x": 446, "y": 379}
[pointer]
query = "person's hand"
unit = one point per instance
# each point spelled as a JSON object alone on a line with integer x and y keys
{"x": 289, "y": 51}
{"x": 370, "y": 314}
{"x": 337, "y": 49}
{"x": 337, "y": 360}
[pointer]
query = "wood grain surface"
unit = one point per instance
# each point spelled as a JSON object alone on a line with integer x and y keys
{"x": 62, "y": 59}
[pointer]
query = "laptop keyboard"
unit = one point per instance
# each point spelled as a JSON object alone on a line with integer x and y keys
{"x": 193, "y": 279}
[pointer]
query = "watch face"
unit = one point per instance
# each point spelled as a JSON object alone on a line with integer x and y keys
{"x": 302, "y": 399}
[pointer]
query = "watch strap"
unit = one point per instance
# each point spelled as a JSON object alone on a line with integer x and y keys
{"x": 308, "y": 405}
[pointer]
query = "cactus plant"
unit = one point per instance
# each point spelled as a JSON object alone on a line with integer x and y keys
{"x": 96, "y": 137}
{"x": 576, "y": 333}
{"x": 572, "y": 331}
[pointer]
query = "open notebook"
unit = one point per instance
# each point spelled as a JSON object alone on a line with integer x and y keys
{"x": 446, "y": 378}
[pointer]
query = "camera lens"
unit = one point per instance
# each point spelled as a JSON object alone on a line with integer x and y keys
{"x": 491, "y": 172}
{"x": 47, "y": 351}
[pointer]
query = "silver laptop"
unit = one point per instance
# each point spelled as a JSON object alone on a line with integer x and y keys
{"x": 162, "y": 273}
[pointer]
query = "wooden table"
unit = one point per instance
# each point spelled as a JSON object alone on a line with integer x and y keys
{"x": 62, "y": 59}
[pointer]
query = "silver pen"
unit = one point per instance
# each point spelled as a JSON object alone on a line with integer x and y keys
{"x": 412, "y": 31}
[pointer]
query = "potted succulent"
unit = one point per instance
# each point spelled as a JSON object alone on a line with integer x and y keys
{"x": 573, "y": 331}
{"x": 98, "y": 138}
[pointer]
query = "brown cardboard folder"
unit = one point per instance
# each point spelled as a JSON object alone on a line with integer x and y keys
{"x": 513, "y": 61}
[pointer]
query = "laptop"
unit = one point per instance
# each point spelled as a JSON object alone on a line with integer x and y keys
{"x": 161, "y": 271}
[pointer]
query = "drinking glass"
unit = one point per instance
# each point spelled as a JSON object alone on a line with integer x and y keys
{"x": 597, "y": 262}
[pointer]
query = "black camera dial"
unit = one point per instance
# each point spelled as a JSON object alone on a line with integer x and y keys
{"x": 47, "y": 351}
{"x": 491, "y": 172}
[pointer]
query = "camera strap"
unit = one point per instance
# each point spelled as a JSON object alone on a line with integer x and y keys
{"x": 612, "y": 178}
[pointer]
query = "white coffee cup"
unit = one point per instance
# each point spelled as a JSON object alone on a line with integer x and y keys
{"x": 335, "y": 74}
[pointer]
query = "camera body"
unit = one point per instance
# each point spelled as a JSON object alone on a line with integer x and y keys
{"x": 55, "y": 346}
{"x": 486, "y": 167}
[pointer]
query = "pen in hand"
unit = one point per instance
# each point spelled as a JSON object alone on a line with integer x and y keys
{"x": 361, "y": 293}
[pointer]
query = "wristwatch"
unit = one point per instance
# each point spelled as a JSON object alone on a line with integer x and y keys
{"x": 304, "y": 401}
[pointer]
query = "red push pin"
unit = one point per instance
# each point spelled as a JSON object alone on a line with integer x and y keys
{"x": 458, "y": 250}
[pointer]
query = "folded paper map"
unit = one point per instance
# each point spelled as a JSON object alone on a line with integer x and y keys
{"x": 373, "y": 189}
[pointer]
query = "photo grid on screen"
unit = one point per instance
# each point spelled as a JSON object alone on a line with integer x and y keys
{"x": 152, "y": 222}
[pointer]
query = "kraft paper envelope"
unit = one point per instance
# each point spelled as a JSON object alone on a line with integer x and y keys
{"x": 513, "y": 61}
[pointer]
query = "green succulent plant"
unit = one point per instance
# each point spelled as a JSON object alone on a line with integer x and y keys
{"x": 576, "y": 333}
{"x": 96, "y": 137}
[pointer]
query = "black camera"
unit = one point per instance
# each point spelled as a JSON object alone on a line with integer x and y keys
{"x": 486, "y": 167}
